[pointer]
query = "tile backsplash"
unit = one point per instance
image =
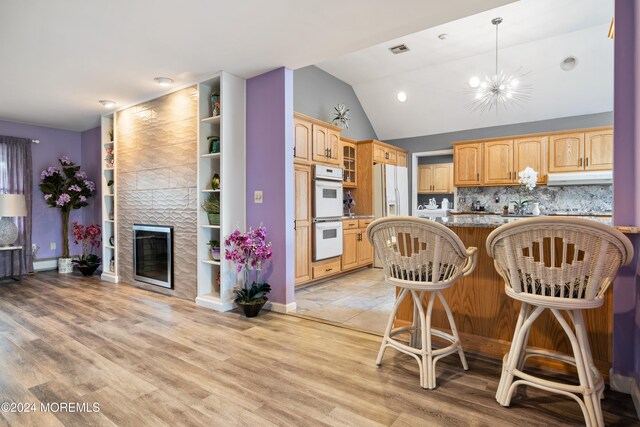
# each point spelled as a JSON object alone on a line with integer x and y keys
{"x": 572, "y": 198}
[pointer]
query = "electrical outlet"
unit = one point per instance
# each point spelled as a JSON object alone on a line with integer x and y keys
{"x": 257, "y": 197}
{"x": 53, "y": 246}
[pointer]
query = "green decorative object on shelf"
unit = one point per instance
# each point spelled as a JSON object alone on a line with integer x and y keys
{"x": 214, "y": 144}
{"x": 211, "y": 206}
{"x": 215, "y": 104}
{"x": 215, "y": 182}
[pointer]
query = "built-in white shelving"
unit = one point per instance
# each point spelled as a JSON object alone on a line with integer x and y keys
{"x": 216, "y": 279}
{"x": 109, "y": 200}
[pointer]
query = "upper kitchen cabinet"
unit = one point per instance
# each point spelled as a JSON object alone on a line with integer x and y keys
{"x": 566, "y": 152}
{"x": 435, "y": 178}
{"x": 498, "y": 162}
{"x": 598, "y": 150}
{"x": 302, "y": 140}
{"x": 315, "y": 141}
{"x": 467, "y": 161}
{"x": 401, "y": 158}
{"x": 383, "y": 153}
{"x": 349, "y": 161}
{"x": 531, "y": 152}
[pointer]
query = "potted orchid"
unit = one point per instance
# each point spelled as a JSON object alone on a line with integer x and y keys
{"x": 89, "y": 237}
{"x": 526, "y": 182}
{"x": 66, "y": 188}
{"x": 248, "y": 251}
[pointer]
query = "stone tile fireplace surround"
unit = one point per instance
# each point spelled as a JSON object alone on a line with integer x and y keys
{"x": 156, "y": 181}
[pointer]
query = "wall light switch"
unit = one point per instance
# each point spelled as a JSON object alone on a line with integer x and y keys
{"x": 53, "y": 246}
{"x": 257, "y": 197}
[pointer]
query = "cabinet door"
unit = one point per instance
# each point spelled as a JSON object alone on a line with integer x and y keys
{"x": 392, "y": 157}
{"x": 333, "y": 144}
{"x": 598, "y": 150}
{"x": 365, "y": 249}
{"x": 566, "y": 152}
{"x": 401, "y": 158}
{"x": 441, "y": 178}
{"x": 302, "y": 223}
{"x": 530, "y": 152}
{"x": 320, "y": 143}
{"x": 350, "y": 249}
{"x": 379, "y": 154}
{"x": 424, "y": 178}
{"x": 467, "y": 164}
{"x": 302, "y": 141}
{"x": 498, "y": 162}
{"x": 349, "y": 164}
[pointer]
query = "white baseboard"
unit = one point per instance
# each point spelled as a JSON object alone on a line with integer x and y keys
{"x": 627, "y": 385}
{"x": 280, "y": 308}
{"x": 45, "y": 264}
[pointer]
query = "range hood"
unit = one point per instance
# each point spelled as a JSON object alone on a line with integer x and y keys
{"x": 580, "y": 178}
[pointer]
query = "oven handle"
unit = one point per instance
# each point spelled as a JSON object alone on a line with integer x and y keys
{"x": 328, "y": 184}
{"x": 329, "y": 225}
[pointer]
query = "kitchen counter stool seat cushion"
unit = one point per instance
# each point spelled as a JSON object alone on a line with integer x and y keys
{"x": 410, "y": 250}
{"x": 563, "y": 265}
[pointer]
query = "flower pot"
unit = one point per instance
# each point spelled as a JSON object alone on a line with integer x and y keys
{"x": 87, "y": 270}
{"x": 536, "y": 209}
{"x": 65, "y": 265}
{"x": 215, "y": 254}
{"x": 214, "y": 219}
{"x": 252, "y": 309}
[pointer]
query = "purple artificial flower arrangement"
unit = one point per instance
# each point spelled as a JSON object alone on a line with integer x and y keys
{"x": 66, "y": 189}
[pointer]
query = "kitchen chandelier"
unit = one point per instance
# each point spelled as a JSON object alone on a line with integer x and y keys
{"x": 501, "y": 89}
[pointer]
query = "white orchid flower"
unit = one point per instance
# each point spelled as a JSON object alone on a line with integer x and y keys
{"x": 528, "y": 177}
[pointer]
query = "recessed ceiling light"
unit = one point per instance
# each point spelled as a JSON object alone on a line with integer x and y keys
{"x": 107, "y": 104}
{"x": 474, "y": 82}
{"x": 443, "y": 36}
{"x": 569, "y": 63}
{"x": 402, "y": 96}
{"x": 163, "y": 81}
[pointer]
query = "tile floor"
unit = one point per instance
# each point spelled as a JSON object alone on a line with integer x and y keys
{"x": 361, "y": 300}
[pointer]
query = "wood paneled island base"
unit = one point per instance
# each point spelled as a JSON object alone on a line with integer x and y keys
{"x": 486, "y": 317}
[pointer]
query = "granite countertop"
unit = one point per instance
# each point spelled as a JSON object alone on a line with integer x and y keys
{"x": 495, "y": 221}
{"x": 357, "y": 216}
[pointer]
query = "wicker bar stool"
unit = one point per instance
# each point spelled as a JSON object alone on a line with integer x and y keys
{"x": 563, "y": 265}
{"x": 420, "y": 257}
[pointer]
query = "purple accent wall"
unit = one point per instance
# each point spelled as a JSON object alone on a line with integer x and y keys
{"x": 626, "y": 188}
{"x": 54, "y": 143}
{"x": 270, "y": 169}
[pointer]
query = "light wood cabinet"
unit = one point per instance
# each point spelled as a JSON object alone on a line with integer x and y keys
{"x": 598, "y": 150}
{"x": 320, "y": 143}
{"x": 333, "y": 144}
{"x": 532, "y": 152}
{"x": 401, "y": 158}
{"x": 302, "y": 141}
{"x": 350, "y": 249}
{"x": 349, "y": 162}
{"x": 566, "y": 152}
{"x": 384, "y": 154}
{"x": 435, "y": 178}
{"x": 467, "y": 164}
{"x": 357, "y": 251}
{"x": 326, "y": 268}
{"x": 498, "y": 162}
{"x": 302, "y": 223}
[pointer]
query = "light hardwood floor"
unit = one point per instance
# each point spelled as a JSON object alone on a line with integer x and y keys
{"x": 149, "y": 359}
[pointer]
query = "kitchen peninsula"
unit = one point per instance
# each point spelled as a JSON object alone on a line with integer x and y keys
{"x": 485, "y": 316}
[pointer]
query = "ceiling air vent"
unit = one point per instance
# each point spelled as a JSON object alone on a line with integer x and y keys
{"x": 401, "y": 48}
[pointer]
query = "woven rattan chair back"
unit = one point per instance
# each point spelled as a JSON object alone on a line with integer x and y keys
{"x": 559, "y": 258}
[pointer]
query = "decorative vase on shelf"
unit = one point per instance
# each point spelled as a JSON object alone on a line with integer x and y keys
{"x": 214, "y": 218}
{"x": 536, "y": 209}
{"x": 215, "y": 182}
{"x": 214, "y": 144}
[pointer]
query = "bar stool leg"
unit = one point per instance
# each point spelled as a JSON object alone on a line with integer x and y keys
{"x": 427, "y": 377}
{"x": 585, "y": 350}
{"x": 503, "y": 396}
{"x": 454, "y": 330}
{"x": 387, "y": 331}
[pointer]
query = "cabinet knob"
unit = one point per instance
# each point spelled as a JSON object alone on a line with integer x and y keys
{"x": 478, "y": 177}
{"x": 580, "y": 162}
{"x": 586, "y": 161}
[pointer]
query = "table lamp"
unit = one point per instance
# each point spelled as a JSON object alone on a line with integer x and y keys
{"x": 11, "y": 205}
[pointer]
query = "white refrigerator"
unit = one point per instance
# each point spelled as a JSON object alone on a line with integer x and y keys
{"x": 390, "y": 191}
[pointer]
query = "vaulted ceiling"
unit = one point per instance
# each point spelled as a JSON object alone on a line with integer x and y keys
{"x": 535, "y": 35}
{"x": 60, "y": 57}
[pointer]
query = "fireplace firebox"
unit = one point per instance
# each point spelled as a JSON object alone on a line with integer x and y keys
{"x": 153, "y": 254}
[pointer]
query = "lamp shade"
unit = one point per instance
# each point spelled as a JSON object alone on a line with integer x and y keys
{"x": 12, "y": 205}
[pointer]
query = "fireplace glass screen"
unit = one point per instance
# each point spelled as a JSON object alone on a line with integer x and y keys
{"x": 152, "y": 254}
